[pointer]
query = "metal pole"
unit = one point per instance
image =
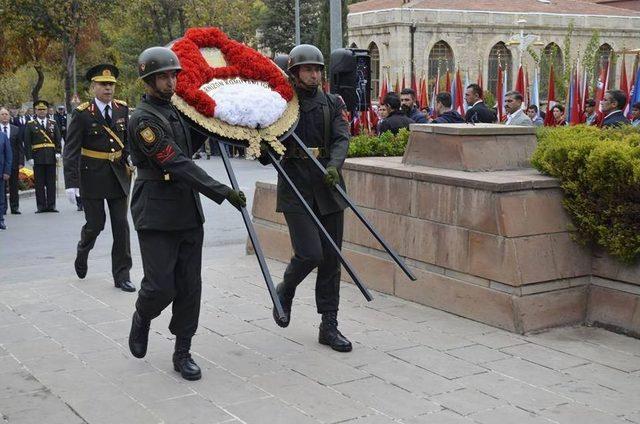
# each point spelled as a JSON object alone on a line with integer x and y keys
{"x": 357, "y": 212}
{"x": 252, "y": 234}
{"x": 335, "y": 18}
{"x": 347, "y": 265}
{"x": 297, "y": 24}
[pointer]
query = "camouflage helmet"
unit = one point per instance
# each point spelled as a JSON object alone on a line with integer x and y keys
{"x": 157, "y": 59}
{"x": 305, "y": 54}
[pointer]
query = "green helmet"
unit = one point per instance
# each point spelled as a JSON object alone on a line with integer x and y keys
{"x": 157, "y": 59}
{"x": 305, "y": 54}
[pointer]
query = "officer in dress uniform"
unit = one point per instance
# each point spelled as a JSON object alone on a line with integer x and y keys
{"x": 324, "y": 128}
{"x": 42, "y": 149}
{"x": 166, "y": 210}
{"x": 96, "y": 168}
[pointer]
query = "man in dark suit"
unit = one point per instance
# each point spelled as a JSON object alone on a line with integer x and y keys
{"x": 20, "y": 120}
{"x": 17, "y": 149}
{"x": 396, "y": 119}
{"x": 613, "y": 104}
{"x": 96, "y": 168}
{"x": 42, "y": 149}
{"x": 5, "y": 167}
{"x": 478, "y": 111}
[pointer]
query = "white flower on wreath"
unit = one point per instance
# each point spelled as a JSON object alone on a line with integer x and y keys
{"x": 248, "y": 104}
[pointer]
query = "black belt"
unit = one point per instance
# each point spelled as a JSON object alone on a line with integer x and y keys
{"x": 148, "y": 174}
{"x": 296, "y": 152}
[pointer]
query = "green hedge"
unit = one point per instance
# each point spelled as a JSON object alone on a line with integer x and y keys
{"x": 386, "y": 144}
{"x": 599, "y": 170}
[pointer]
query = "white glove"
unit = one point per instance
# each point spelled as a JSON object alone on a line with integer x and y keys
{"x": 30, "y": 162}
{"x": 71, "y": 194}
{"x": 58, "y": 156}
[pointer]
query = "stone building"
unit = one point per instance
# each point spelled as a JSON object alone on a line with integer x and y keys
{"x": 428, "y": 35}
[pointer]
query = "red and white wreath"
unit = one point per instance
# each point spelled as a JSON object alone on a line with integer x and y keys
{"x": 232, "y": 90}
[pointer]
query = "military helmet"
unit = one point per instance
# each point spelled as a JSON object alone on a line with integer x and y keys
{"x": 305, "y": 54}
{"x": 157, "y": 59}
{"x": 282, "y": 60}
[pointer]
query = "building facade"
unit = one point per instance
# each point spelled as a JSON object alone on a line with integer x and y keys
{"x": 430, "y": 35}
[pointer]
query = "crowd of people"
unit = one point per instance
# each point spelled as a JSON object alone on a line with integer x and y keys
{"x": 32, "y": 136}
{"x": 398, "y": 111}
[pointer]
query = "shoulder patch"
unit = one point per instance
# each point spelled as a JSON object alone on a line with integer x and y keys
{"x": 147, "y": 135}
{"x": 83, "y": 106}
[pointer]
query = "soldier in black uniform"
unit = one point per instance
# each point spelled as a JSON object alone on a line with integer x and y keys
{"x": 166, "y": 210}
{"x": 96, "y": 168}
{"x": 42, "y": 149}
{"x": 323, "y": 127}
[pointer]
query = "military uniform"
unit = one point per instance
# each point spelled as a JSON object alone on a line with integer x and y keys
{"x": 95, "y": 160}
{"x": 42, "y": 144}
{"x": 167, "y": 212}
{"x": 323, "y": 127}
{"x": 310, "y": 249}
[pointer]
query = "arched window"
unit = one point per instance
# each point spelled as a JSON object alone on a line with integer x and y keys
{"x": 354, "y": 46}
{"x": 551, "y": 54}
{"x": 374, "y": 53}
{"x": 604, "y": 55}
{"x": 499, "y": 55}
{"x": 440, "y": 60}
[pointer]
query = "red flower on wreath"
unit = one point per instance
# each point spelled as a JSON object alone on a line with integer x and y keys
{"x": 243, "y": 62}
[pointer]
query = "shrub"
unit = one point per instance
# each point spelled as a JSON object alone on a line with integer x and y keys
{"x": 599, "y": 171}
{"x": 385, "y": 144}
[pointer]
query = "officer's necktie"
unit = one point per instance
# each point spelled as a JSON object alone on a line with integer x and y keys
{"x": 107, "y": 116}
{"x": 4, "y": 130}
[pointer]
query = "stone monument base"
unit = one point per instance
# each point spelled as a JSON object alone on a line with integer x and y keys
{"x": 490, "y": 246}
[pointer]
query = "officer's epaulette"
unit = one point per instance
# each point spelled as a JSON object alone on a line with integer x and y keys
{"x": 120, "y": 102}
{"x": 83, "y": 106}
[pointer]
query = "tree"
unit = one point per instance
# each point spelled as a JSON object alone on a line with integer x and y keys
{"x": 59, "y": 21}
{"x": 22, "y": 44}
{"x": 277, "y": 25}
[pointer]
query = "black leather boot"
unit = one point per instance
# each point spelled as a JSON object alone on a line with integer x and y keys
{"x": 139, "y": 336}
{"x": 286, "y": 299}
{"x": 329, "y": 334}
{"x": 80, "y": 265}
{"x": 182, "y": 361}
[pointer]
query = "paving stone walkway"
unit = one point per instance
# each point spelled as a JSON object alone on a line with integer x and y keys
{"x": 64, "y": 357}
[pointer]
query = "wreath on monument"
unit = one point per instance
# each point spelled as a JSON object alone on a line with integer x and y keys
{"x": 233, "y": 91}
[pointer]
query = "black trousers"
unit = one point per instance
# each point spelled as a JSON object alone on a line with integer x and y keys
{"x": 45, "y": 184}
{"x": 14, "y": 197}
{"x": 120, "y": 250}
{"x": 171, "y": 261}
{"x": 310, "y": 250}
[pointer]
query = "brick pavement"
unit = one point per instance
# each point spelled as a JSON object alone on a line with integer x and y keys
{"x": 63, "y": 356}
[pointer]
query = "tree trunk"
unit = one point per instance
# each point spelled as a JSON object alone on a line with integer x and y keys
{"x": 35, "y": 92}
{"x": 68, "y": 75}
